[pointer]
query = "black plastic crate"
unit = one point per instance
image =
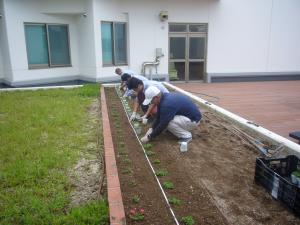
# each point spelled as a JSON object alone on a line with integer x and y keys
{"x": 274, "y": 175}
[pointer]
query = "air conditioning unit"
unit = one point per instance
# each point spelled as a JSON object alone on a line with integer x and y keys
{"x": 163, "y": 15}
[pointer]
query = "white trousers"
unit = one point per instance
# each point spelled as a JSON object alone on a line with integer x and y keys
{"x": 181, "y": 126}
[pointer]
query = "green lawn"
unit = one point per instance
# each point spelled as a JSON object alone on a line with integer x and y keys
{"x": 42, "y": 135}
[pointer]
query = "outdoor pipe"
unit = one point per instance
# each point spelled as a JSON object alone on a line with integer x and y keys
{"x": 155, "y": 63}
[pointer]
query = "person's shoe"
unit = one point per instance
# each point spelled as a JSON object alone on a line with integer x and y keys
{"x": 187, "y": 140}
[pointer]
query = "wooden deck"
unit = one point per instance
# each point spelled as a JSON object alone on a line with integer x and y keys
{"x": 274, "y": 105}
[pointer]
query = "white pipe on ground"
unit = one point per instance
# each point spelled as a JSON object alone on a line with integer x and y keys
{"x": 293, "y": 147}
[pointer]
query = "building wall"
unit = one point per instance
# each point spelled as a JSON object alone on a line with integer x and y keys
{"x": 1, "y": 34}
{"x": 86, "y": 43}
{"x": 284, "y": 44}
{"x": 18, "y": 12}
{"x": 238, "y": 36}
{"x": 244, "y": 36}
{"x": 1, "y": 66}
{"x": 145, "y": 30}
{"x": 5, "y": 66}
{"x": 254, "y": 37}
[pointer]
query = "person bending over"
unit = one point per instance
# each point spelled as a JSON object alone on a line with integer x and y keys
{"x": 175, "y": 112}
{"x": 140, "y": 87}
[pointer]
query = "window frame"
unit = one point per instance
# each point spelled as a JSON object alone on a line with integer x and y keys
{"x": 113, "y": 23}
{"x": 49, "y": 64}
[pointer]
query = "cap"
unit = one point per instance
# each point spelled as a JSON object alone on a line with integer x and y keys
{"x": 150, "y": 92}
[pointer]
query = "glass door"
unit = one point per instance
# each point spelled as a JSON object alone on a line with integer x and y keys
{"x": 196, "y": 66}
{"x": 187, "y": 51}
{"x": 177, "y": 62}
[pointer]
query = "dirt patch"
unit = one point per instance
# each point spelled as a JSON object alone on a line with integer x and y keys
{"x": 86, "y": 174}
{"x": 214, "y": 179}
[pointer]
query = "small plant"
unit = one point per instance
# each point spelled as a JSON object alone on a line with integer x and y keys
{"x": 122, "y": 152}
{"x": 161, "y": 173}
{"x": 136, "y": 199}
{"x": 147, "y": 146}
{"x": 150, "y": 153}
{"x": 137, "y": 214}
{"x": 127, "y": 161}
{"x": 127, "y": 171}
{"x": 156, "y": 161}
{"x": 174, "y": 201}
{"x": 296, "y": 173}
{"x": 121, "y": 144}
{"x": 168, "y": 185}
{"x": 187, "y": 220}
{"x": 132, "y": 183}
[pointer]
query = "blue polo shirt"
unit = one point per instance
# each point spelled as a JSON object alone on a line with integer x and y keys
{"x": 172, "y": 104}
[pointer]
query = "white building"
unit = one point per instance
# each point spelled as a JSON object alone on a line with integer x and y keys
{"x": 44, "y": 41}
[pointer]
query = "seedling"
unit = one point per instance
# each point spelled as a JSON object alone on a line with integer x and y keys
{"x": 136, "y": 199}
{"x": 168, "y": 185}
{"x": 296, "y": 173}
{"x": 147, "y": 146}
{"x": 187, "y": 220}
{"x": 150, "y": 153}
{"x": 122, "y": 144}
{"x": 127, "y": 171}
{"x": 137, "y": 214}
{"x": 122, "y": 153}
{"x": 174, "y": 201}
{"x": 156, "y": 161}
{"x": 132, "y": 183}
{"x": 127, "y": 161}
{"x": 161, "y": 173}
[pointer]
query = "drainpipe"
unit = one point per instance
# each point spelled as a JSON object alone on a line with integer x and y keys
{"x": 155, "y": 63}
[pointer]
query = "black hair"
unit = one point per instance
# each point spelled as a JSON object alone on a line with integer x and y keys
{"x": 125, "y": 77}
{"x": 133, "y": 83}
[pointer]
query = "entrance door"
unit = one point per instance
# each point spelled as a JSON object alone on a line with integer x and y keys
{"x": 187, "y": 51}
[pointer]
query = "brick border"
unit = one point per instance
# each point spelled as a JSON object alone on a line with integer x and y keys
{"x": 115, "y": 202}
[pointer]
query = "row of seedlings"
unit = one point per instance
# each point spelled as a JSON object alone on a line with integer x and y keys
{"x": 136, "y": 213}
{"x": 160, "y": 172}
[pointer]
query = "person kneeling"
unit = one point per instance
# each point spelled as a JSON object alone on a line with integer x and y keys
{"x": 175, "y": 112}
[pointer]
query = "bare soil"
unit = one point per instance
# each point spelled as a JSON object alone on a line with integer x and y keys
{"x": 88, "y": 172}
{"x": 214, "y": 179}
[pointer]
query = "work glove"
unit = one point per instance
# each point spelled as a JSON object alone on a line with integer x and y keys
{"x": 149, "y": 131}
{"x": 145, "y": 139}
{"x": 133, "y": 116}
{"x": 144, "y": 119}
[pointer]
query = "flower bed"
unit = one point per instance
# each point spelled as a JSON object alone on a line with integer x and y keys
{"x": 212, "y": 183}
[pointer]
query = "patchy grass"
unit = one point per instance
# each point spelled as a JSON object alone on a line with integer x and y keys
{"x": 42, "y": 137}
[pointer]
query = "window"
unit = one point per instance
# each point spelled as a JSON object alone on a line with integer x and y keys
{"x": 114, "y": 43}
{"x": 47, "y": 45}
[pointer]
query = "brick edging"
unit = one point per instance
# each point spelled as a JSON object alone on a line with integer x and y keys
{"x": 116, "y": 207}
